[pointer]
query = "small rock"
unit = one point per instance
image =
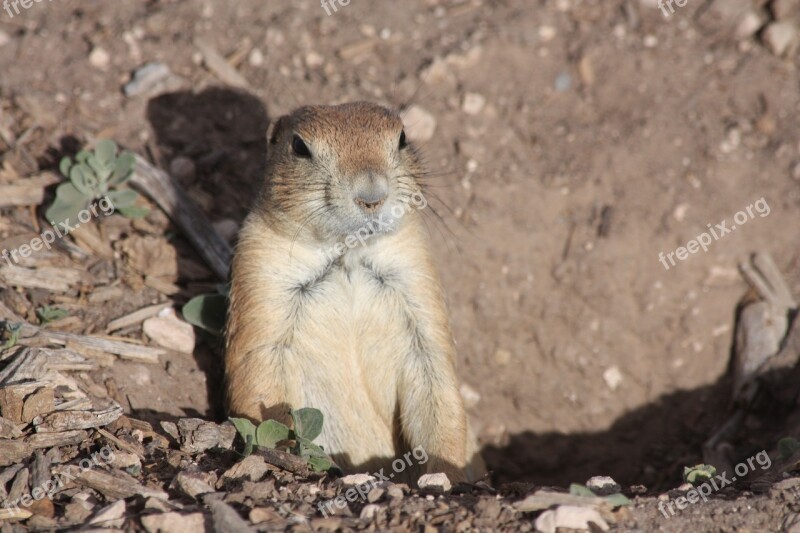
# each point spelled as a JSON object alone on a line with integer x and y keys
{"x": 376, "y": 494}
{"x": 370, "y": 511}
{"x": 170, "y": 428}
{"x": 470, "y": 396}
{"x": 99, "y": 58}
{"x": 434, "y": 482}
{"x": 571, "y": 517}
{"x": 782, "y": 38}
{"x": 420, "y": 124}
{"x": 603, "y": 486}
{"x": 168, "y": 522}
{"x": 546, "y": 33}
{"x": 169, "y": 331}
{"x": 612, "y": 377}
{"x": 252, "y": 467}
{"x": 563, "y": 82}
{"x": 586, "y": 70}
{"x": 192, "y": 485}
{"x": 796, "y": 172}
{"x": 750, "y": 23}
{"x": 256, "y": 57}
{"x": 5, "y": 38}
{"x": 395, "y": 492}
{"x": 314, "y": 60}
{"x": 111, "y": 515}
{"x": 473, "y": 103}
{"x": 354, "y": 480}
{"x": 152, "y": 79}
{"x": 502, "y": 357}
{"x": 183, "y": 169}
{"x": 263, "y": 514}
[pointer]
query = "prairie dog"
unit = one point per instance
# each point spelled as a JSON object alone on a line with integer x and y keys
{"x": 335, "y": 303}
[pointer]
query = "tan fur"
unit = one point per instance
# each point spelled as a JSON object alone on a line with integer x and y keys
{"x": 363, "y": 336}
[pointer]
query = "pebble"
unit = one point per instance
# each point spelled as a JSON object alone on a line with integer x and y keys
{"x": 151, "y": 79}
{"x": 502, "y": 357}
{"x": 782, "y": 38}
{"x": 99, "y": 58}
{"x": 420, "y": 124}
{"x": 473, "y": 103}
{"x": 112, "y": 516}
{"x": 183, "y": 169}
{"x": 750, "y": 23}
{"x": 436, "y": 73}
{"x": 435, "y": 482}
{"x": 612, "y": 377}
{"x": 796, "y": 171}
{"x": 356, "y": 479}
{"x": 394, "y": 492}
{"x": 603, "y": 486}
{"x": 563, "y": 82}
{"x": 570, "y": 517}
{"x": 369, "y": 511}
{"x": 256, "y": 57}
{"x": 169, "y": 331}
{"x": 5, "y": 38}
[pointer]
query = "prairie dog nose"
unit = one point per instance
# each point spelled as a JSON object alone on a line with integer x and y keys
{"x": 370, "y": 195}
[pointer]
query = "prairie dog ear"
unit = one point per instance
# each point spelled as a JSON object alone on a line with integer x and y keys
{"x": 274, "y": 129}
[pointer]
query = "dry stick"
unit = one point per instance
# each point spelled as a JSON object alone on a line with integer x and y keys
{"x": 171, "y": 198}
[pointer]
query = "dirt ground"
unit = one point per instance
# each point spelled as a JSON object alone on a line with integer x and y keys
{"x": 575, "y": 141}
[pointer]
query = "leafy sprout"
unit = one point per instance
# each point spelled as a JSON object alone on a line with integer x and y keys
{"x": 298, "y": 441}
{"x": 49, "y": 314}
{"x": 93, "y": 175}
{"x": 698, "y": 474}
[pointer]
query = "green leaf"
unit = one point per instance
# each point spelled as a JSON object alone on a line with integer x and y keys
{"x": 248, "y": 445}
{"x": 68, "y": 203}
{"x": 698, "y": 474}
{"x": 207, "y": 312}
{"x": 787, "y": 447}
{"x": 270, "y": 432}
{"x": 82, "y": 156}
{"x": 13, "y": 331}
{"x": 307, "y": 422}
{"x": 49, "y": 314}
{"x": 64, "y": 166}
{"x": 244, "y": 427}
{"x": 133, "y": 211}
{"x": 618, "y": 500}
{"x": 123, "y": 198}
{"x": 101, "y": 170}
{"x": 309, "y": 449}
{"x": 320, "y": 464}
{"x": 83, "y": 178}
{"x": 579, "y": 490}
{"x": 106, "y": 151}
{"x": 123, "y": 168}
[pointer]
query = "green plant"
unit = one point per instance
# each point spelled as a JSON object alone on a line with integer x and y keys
{"x": 49, "y": 314}
{"x": 698, "y": 474}
{"x": 614, "y": 500}
{"x": 208, "y": 311}
{"x": 93, "y": 175}
{"x": 10, "y": 332}
{"x": 298, "y": 441}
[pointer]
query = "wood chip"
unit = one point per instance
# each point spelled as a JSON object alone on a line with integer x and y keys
{"x": 217, "y": 64}
{"x": 135, "y": 318}
{"x": 59, "y": 421}
{"x": 116, "y": 485}
{"x": 13, "y": 451}
{"x": 49, "y": 440}
{"x": 29, "y": 191}
{"x": 47, "y": 278}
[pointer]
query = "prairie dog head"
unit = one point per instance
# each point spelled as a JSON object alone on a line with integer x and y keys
{"x": 335, "y": 170}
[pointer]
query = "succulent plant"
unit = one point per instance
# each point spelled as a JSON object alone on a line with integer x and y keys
{"x": 274, "y": 434}
{"x": 93, "y": 175}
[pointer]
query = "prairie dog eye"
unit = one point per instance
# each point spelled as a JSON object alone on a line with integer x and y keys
{"x": 403, "y": 143}
{"x": 299, "y": 147}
